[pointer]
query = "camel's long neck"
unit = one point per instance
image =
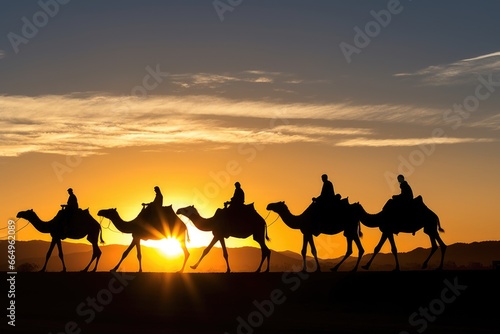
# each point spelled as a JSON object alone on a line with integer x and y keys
{"x": 121, "y": 225}
{"x": 40, "y": 225}
{"x": 368, "y": 219}
{"x": 203, "y": 224}
{"x": 290, "y": 220}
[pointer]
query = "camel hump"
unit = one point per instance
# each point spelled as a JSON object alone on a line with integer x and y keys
{"x": 419, "y": 199}
{"x": 250, "y": 206}
{"x": 168, "y": 209}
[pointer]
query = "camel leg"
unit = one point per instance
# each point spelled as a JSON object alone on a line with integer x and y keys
{"x": 49, "y": 252}
{"x": 266, "y": 254}
{"x": 304, "y": 252}
{"x": 394, "y": 250}
{"x": 205, "y": 252}
{"x": 96, "y": 254}
{"x": 314, "y": 253}
{"x": 139, "y": 255}
{"x": 186, "y": 254}
{"x": 443, "y": 250}
{"x": 61, "y": 256}
{"x": 347, "y": 254}
{"x": 377, "y": 249}
{"x": 225, "y": 254}
{"x": 433, "y": 250}
{"x": 361, "y": 251}
{"x": 124, "y": 255}
{"x": 91, "y": 260}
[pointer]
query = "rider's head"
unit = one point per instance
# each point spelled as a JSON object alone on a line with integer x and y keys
{"x": 70, "y": 191}
{"x": 157, "y": 189}
{"x": 237, "y": 185}
{"x": 401, "y": 178}
{"x": 324, "y": 177}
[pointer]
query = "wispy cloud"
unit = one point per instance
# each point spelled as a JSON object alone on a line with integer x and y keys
{"x": 211, "y": 80}
{"x": 492, "y": 122}
{"x": 2, "y": 54}
{"x": 459, "y": 72}
{"x": 322, "y": 131}
{"x": 86, "y": 124}
{"x": 367, "y": 142}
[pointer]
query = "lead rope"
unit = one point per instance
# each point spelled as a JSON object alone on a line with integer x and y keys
{"x": 274, "y": 221}
{"x": 108, "y": 227}
{"x": 15, "y": 221}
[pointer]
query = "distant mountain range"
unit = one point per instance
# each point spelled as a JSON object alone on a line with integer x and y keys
{"x": 476, "y": 255}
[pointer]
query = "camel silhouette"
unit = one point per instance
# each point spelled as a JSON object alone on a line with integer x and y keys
{"x": 392, "y": 221}
{"x": 347, "y": 222}
{"x": 146, "y": 226}
{"x": 240, "y": 223}
{"x": 83, "y": 224}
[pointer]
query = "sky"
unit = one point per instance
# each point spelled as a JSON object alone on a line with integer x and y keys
{"x": 113, "y": 98}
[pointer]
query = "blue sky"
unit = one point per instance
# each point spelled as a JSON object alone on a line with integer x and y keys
{"x": 278, "y": 51}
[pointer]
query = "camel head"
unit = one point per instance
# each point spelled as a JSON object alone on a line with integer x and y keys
{"x": 107, "y": 213}
{"x": 277, "y": 207}
{"x": 28, "y": 214}
{"x": 187, "y": 211}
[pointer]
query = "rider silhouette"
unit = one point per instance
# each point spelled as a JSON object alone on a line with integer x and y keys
{"x": 72, "y": 203}
{"x": 323, "y": 204}
{"x": 69, "y": 210}
{"x": 406, "y": 195}
{"x": 152, "y": 208}
{"x": 238, "y": 198}
{"x": 327, "y": 192}
{"x": 158, "y": 201}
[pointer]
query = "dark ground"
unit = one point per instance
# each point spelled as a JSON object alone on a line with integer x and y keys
{"x": 362, "y": 302}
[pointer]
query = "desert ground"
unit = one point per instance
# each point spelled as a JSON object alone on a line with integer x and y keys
{"x": 426, "y": 301}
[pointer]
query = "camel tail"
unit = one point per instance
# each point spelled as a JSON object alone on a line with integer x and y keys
{"x": 359, "y": 230}
{"x": 187, "y": 235}
{"x": 100, "y": 235}
{"x": 267, "y": 237}
{"x": 440, "y": 229}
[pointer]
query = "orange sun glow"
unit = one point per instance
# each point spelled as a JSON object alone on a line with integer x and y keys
{"x": 169, "y": 246}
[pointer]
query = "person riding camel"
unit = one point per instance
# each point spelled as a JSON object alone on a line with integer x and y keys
{"x": 69, "y": 210}
{"x": 327, "y": 195}
{"x": 72, "y": 203}
{"x": 158, "y": 201}
{"x": 238, "y": 198}
{"x": 404, "y": 200}
{"x": 406, "y": 195}
{"x": 155, "y": 205}
{"x": 324, "y": 203}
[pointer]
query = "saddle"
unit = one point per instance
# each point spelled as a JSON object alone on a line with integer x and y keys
{"x": 66, "y": 219}
{"x": 327, "y": 214}
{"x": 331, "y": 208}
{"x": 235, "y": 212}
{"x": 403, "y": 206}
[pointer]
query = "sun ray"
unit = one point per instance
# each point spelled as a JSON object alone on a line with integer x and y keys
{"x": 170, "y": 246}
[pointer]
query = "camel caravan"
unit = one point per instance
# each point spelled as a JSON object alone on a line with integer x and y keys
{"x": 328, "y": 213}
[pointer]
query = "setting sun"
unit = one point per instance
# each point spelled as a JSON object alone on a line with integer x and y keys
{"x": 169, "y": 246}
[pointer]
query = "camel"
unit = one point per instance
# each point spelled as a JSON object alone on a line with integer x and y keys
{"x": 144, "y": 227}
{"x": 226, "y": 224}
{"x": 348, "y": 223}
{"x": 391, "y": 221}
{"x": 84, "y": 225}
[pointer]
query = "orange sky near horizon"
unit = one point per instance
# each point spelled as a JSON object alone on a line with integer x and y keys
{"x": 203, "y": 178}
{"x": 114, "y": 98}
